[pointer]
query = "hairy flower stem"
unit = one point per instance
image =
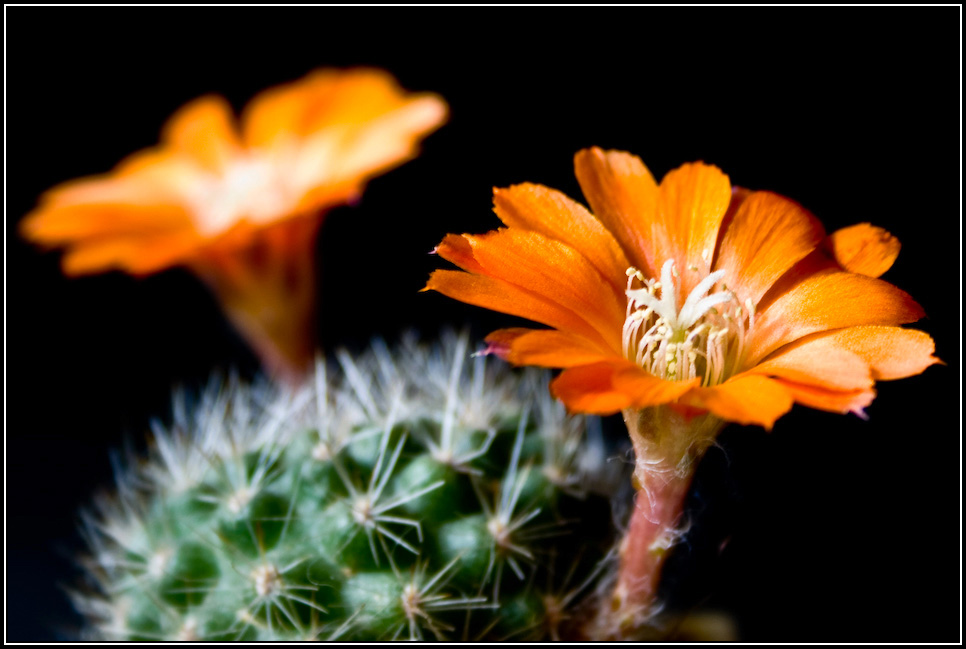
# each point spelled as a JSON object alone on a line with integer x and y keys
{"x": 267, "y": 289}
{"x": 667, "y": 447}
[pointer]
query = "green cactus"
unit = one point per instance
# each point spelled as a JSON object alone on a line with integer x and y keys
{"x": 418, "y": 494}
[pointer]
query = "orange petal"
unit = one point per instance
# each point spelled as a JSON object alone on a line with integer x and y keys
{"x": 864, "y": 249}
{"x": 556, "y": 271}
{"x": 813, "y": 264}
{"x": 498, "y": 295}
{"x": 457, "y": 249}
{"x": 745, "y": 399}
{"x": 499, "y": 341}
{"x": 273, "y": 115}
{"x": 607, "y": 387}
{"x": 138, "y": 255}
{"x": 321, "y": 98}
{"x": 346, "y": 97}
{"x": 827, "y": 301}
{"x": 348, "y": 155}
{"x": 326, "y": 195}
{"x": 552, "y": 214}
{"x": 145, "y": 178}
{"x": 840, "y": 401}
{"x": 204, "y": 130}
{"x": 817, "y": 361}
{"x": 77, "y": 222}
{"x": 545, "y": 348}
{"x": 149, "y": 159}
{"x": 366, "y": 149}
{"x": 691, "y": 202}
{"x": 738, "y": 196}
{"x": 890, "y": 352}
{"x": 768, "y": 235}
{"x": 623, "y": 195}
{"x": 325, "y": 99}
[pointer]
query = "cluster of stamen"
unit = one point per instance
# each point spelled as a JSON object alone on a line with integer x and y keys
{"x": 704, "y": 339}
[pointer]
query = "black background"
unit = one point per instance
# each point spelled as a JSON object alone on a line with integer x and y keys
{"x": 837, "y": 528}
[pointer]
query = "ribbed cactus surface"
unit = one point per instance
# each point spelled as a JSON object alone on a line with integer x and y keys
{"x": 414, "y": 493}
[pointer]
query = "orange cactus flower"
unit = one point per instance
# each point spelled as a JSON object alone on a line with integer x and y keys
{"x": 688, "y": 292}
{"x": 239, "y": 204}
{"x": 684, "y": 305}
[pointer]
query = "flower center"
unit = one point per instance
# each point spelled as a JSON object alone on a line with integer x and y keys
{"x": 251, "y": 187}
{"x": 704, "y": 339}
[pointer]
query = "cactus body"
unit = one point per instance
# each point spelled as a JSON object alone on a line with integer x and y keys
{"x": 415, "y": 494}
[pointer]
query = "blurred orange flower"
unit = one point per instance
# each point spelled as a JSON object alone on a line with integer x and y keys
{"x": 689, "y": 293}
{"x": 240, "y": 204}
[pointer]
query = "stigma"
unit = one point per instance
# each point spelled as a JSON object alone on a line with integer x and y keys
{"x": 704, "y": 338}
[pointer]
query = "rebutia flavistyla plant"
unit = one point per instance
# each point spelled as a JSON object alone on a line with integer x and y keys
{"x": 414, "y": 493}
